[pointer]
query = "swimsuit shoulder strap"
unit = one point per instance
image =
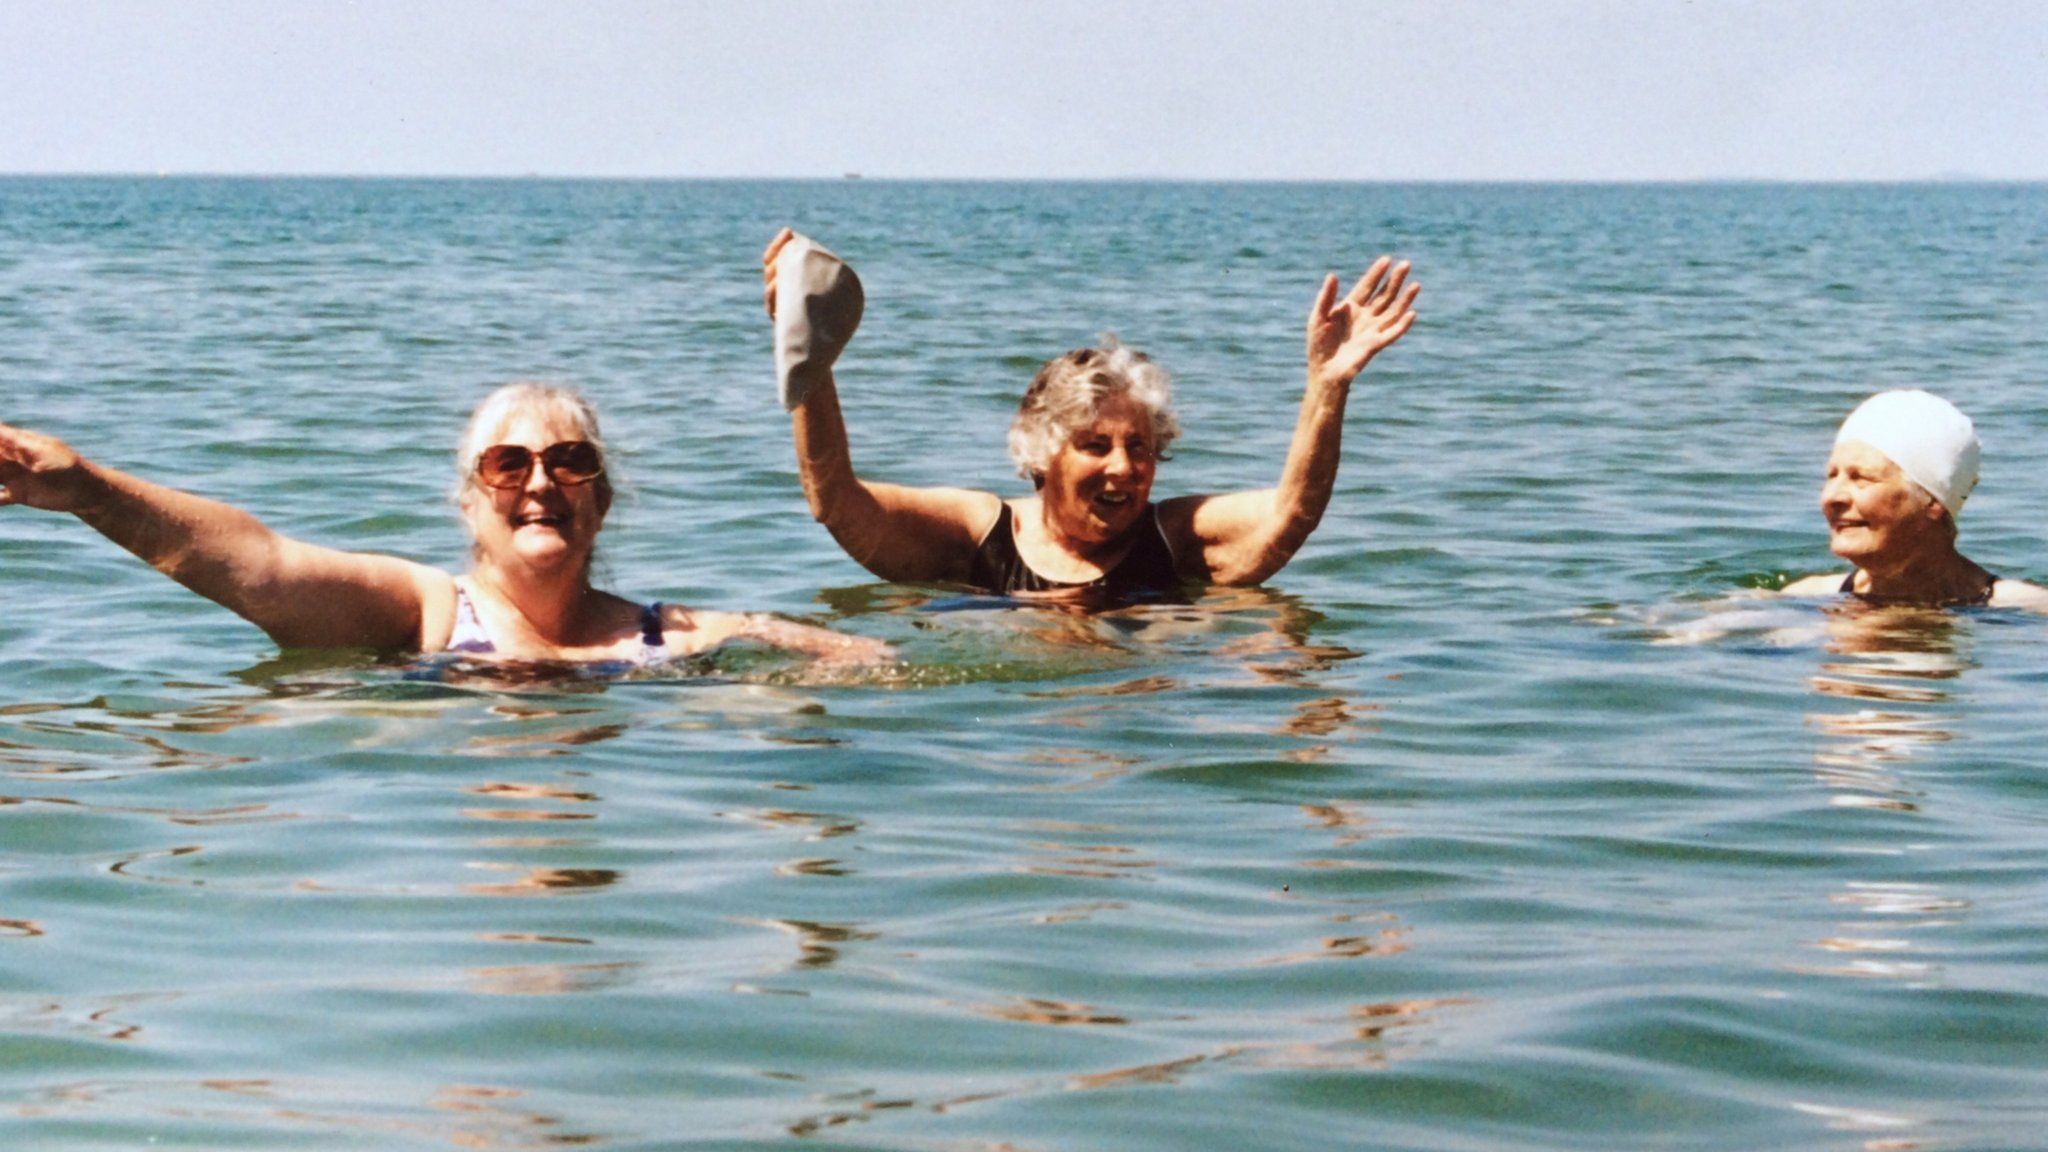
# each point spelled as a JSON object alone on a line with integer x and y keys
{"x": 651, "y": 631}
{"x": 1148, "y": 566}
{"x": 1002, "y": 525}
{"x": 1990, "y": 586}
{"x": 997, "y": 566}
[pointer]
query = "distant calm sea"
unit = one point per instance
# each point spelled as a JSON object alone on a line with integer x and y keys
{"x": 1509, "y": 816}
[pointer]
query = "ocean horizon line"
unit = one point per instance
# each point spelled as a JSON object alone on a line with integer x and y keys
{"x": 864, "y": 178}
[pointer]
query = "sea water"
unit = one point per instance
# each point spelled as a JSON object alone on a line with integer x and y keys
{"x": 1513, "y": 814}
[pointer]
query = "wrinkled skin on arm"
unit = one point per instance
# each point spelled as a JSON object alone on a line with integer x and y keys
{"x": 1246, "y": 537}
{"x": 895, "y": 531}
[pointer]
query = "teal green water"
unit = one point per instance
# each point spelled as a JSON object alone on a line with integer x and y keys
{"x": 1500, "y": 819}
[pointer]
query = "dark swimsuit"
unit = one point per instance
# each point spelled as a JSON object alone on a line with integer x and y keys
{"x": 1147, "y": 569}
{"x": 1849, "y": 587}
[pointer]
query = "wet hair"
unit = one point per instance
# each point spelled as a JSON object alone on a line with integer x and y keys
{"x": 1068, "y": 392}
{"x": 501, "y": 406}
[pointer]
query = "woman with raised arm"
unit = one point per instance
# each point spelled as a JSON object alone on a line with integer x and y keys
{"x": 1089, "y": 435}
{"x": 533, "y": 492}
{"x": 1902, "y": 465}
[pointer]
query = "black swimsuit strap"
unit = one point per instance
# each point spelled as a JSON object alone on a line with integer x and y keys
{"x": 1990, "y": 586}
{"x": 651, "y": 632}
{"x": 1147, "y": 567}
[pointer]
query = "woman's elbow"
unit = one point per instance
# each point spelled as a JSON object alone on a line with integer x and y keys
{"x": 1256, "y": 561}
{"x": 830, "y": 503}
{"x": 821, "y": 509}
{"x": 1247, "y": 574}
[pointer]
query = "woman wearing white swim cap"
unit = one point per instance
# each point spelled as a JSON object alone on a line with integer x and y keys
{"x": 1903, "y": 464}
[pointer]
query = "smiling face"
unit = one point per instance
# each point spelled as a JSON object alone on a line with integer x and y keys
{"x": 1874, "y": 513}
{"x": 540, "y": 527}
{"x": 1097, "y": 483}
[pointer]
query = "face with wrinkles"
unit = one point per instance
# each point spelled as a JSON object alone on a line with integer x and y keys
{"x": 1873, "y": 511}
{"x": 539, "y": 526}
{"x": 1097, "y": 484}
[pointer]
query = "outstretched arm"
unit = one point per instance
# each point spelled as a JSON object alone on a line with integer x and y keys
{"x": 710, "y": 629}
{"x": 827, "y": 646}
{"x": 895, "y": 532}
{"x": 301, "y": 595}
{"x": 1245, "y": 537}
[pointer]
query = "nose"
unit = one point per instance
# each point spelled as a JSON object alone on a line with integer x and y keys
{"x": 537, "y": 478}
{"x": 1834, "y": 493}
{"x": 1118, "y": 463}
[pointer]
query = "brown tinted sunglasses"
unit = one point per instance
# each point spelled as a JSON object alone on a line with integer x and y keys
{"x": 568, "y": 464}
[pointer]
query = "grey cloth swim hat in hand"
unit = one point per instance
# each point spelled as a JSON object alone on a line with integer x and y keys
{"x": 818, "y": 303}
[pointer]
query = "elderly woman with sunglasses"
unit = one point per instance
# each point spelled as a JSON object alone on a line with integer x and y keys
{"x": 533, "y": 493}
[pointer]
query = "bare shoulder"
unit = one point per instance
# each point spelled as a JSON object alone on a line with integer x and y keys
{"x": 436, "y": 592}
{"x": 2019, "y": 594}
{"x": 1179, "y": 521}
{"x": 1177, "y": 515}
{"x": 918, "y": 533}
{"x": 977, "y": 509}
{"x": 327, "y": 598}
{"x": 1825, "y": 584}
{"x": 1231, "y": 538}
{"x": 1216, "y": 516}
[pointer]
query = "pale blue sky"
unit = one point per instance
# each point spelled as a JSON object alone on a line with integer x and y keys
{"x": 1446, "y": 90}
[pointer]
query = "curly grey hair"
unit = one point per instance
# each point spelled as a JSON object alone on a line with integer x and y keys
{"x": 1067, "y": 393}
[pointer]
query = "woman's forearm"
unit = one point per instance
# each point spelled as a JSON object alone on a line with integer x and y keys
{"x": 1310, "y": 473}
{"x": 823, "y": 457}
{"x": 820, "y": 643}
{"x": 1245, "y": 537}
{"x": 212, "y": 548}
{"x": 838, "y": 498}
{"x": 1343, "y": 337}
{"x": 299, "y": 594}
{"x": 1248, "y": 536}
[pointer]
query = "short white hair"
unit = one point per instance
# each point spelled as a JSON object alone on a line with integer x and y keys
{"x": 1068, "y": 392}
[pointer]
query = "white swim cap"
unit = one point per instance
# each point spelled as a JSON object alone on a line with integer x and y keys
{"x": 1932, "y": 443}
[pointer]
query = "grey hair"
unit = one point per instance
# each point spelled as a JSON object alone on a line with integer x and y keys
{"x": 1067, "y": 393}
{"x": 499, "y": 407}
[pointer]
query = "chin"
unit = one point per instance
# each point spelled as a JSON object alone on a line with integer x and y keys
{"x": 545, "y": 555}
{"x": 1118, "y": 521}
{"x": 1097, "y": 530}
